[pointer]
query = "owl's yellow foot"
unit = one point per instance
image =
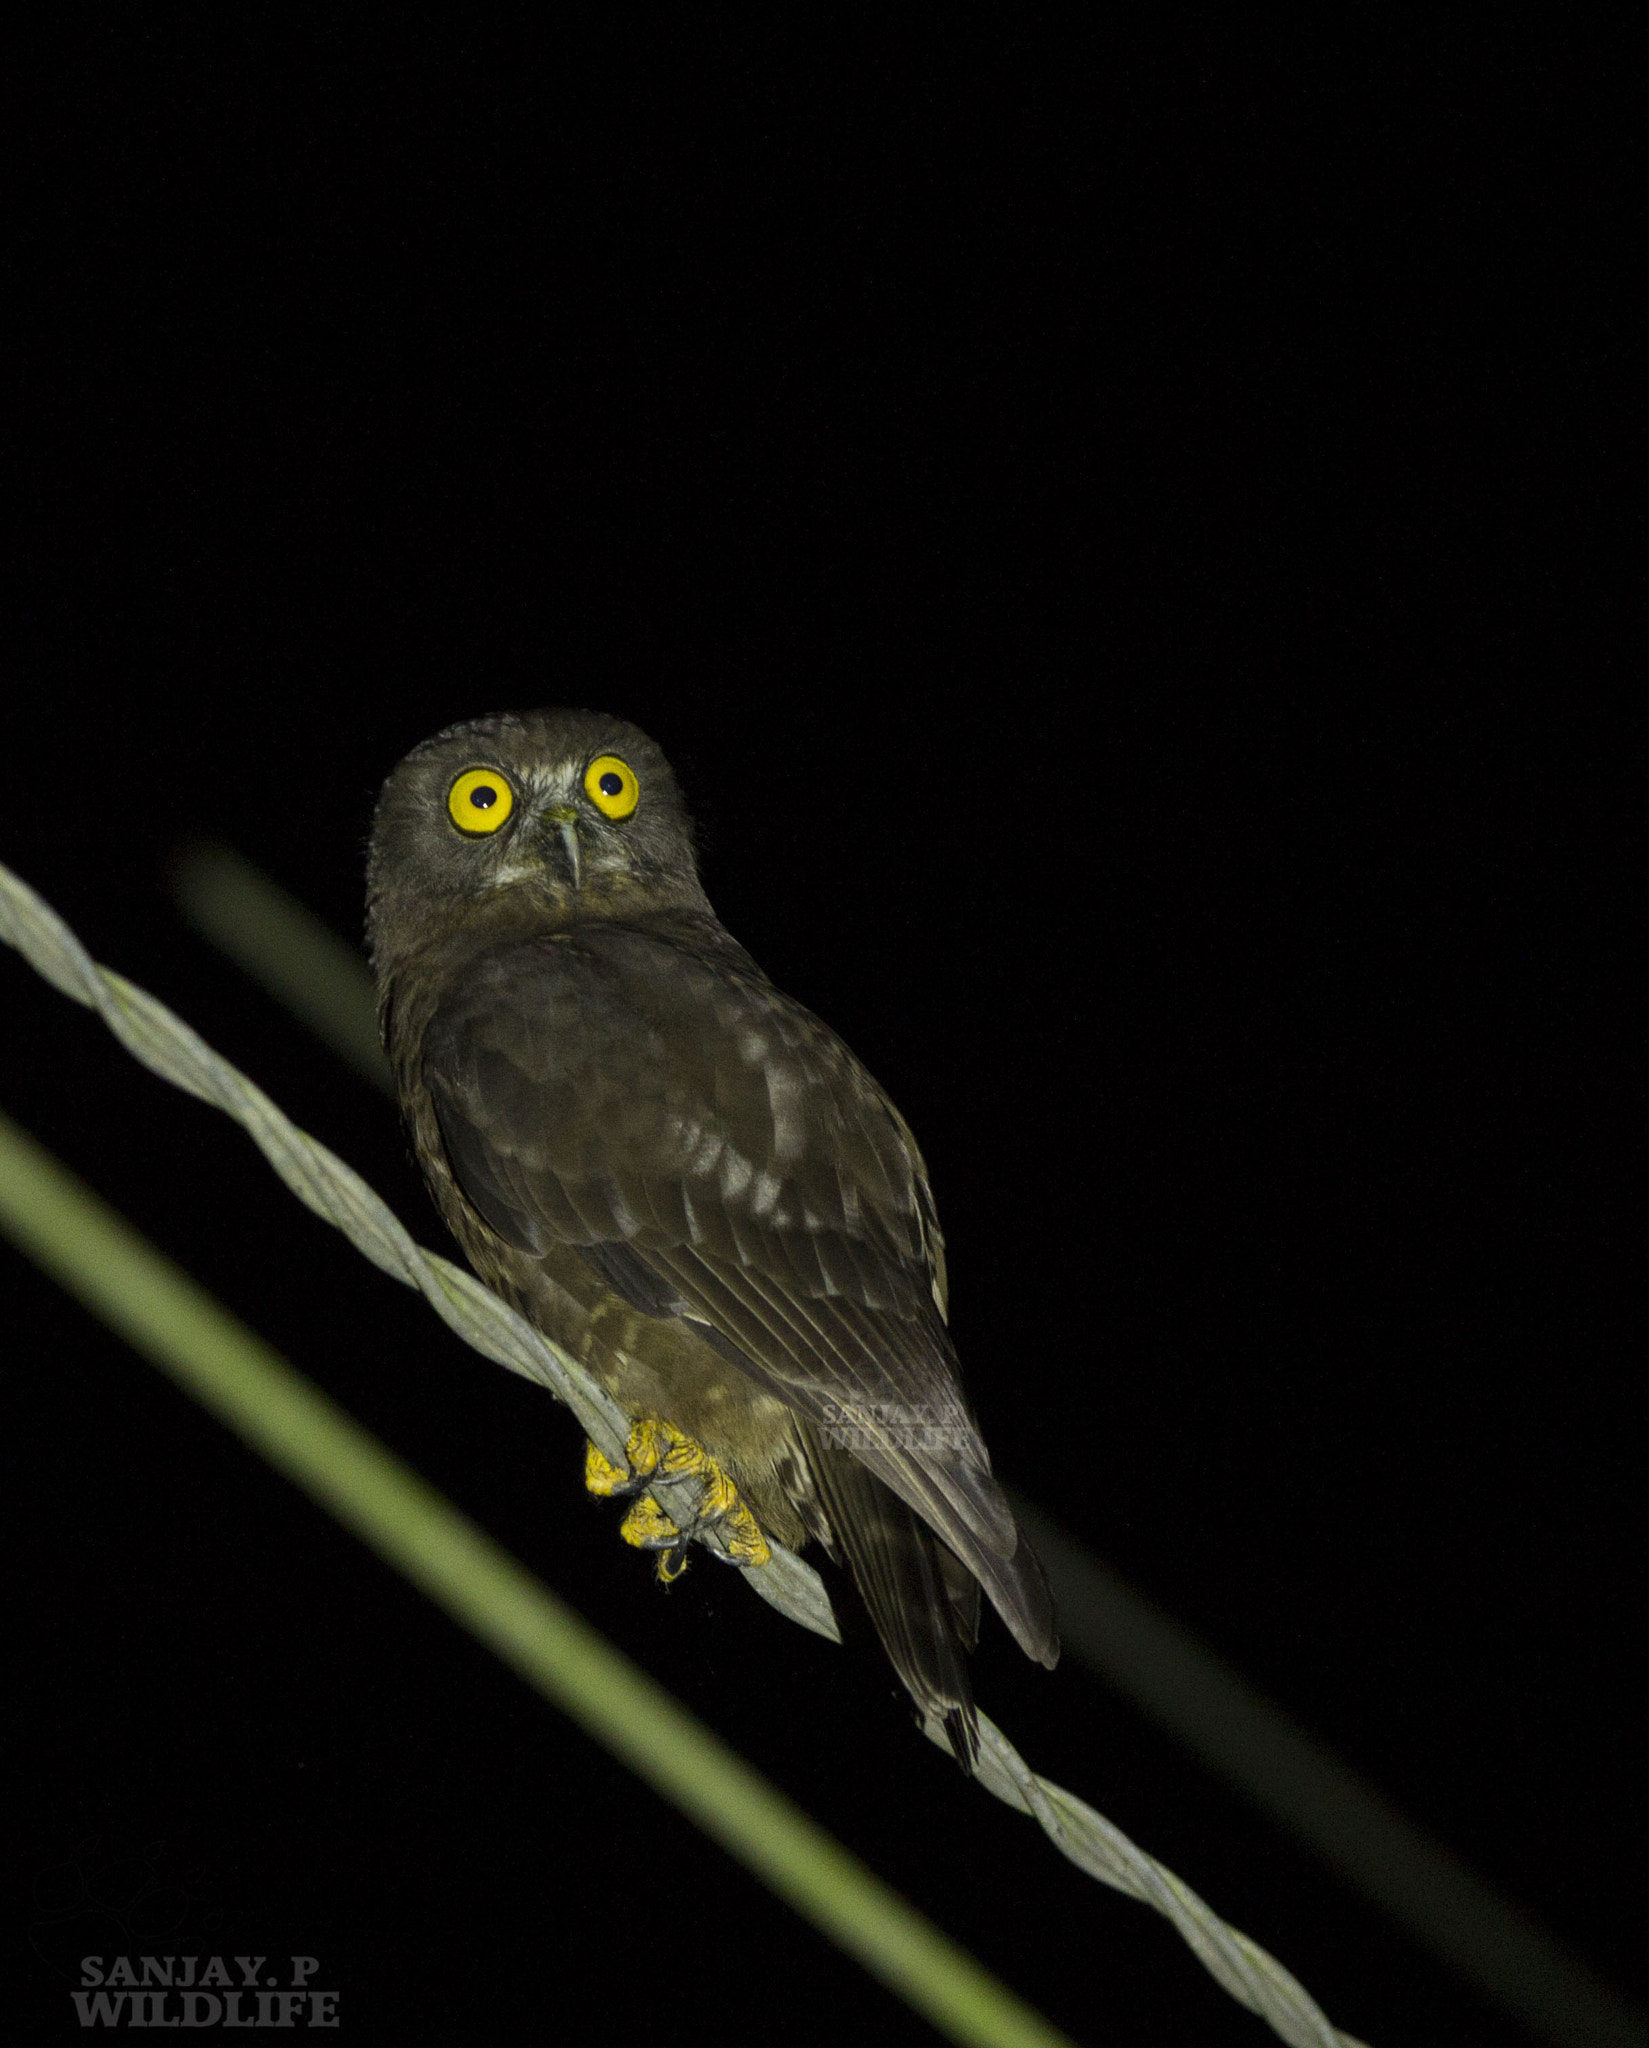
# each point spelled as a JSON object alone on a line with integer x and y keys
{"x": 602, "y": 1476}
{"x": 648, "y": 1527}
{"x": 654, "y": 1447}
{"x": 659, "y": 1450}
{"x": 745, "y": 1542}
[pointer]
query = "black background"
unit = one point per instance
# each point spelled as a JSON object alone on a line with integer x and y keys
{"x": 1121, "y": 532}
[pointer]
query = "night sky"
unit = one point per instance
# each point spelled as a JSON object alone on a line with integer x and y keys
{"x": 1122, "y": 532}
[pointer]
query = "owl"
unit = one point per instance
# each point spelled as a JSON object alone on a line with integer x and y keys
{"x": 684, "y": 1178}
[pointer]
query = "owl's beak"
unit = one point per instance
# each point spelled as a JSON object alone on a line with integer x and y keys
{"x": 565, "y": 819}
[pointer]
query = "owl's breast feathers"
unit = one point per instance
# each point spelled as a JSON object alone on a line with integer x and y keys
{"x": 641, "y": 1094}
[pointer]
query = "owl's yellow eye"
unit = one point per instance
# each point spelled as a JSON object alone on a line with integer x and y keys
{"x": 611, "y": 786}
{"x": 480, "y": 800}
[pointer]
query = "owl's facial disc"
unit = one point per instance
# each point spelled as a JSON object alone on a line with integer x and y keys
{"x": 560, "y": 816}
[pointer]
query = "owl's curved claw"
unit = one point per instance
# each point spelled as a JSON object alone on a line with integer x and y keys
{"x": 609, "y": 1481}
{"x": 659, "y": 1450}
{"x": 654, "y": 1449}
{"x": 723, "y": 1509}
{"x": 648, "y": 1527}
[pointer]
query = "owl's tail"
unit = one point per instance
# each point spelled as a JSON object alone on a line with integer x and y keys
{"x": 923, "y": 1601}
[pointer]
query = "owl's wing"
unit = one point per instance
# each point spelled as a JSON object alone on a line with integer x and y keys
{"x": 717, "y": 1153}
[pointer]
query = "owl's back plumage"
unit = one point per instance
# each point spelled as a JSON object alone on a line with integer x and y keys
{"x": 685, "y": 1177}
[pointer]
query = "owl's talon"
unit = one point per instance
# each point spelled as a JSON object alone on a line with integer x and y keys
{"x": 746, "y": 1545}
{"x": 648, "y": 1527}
{"x": 653, "y": 1447}
{"x": 658, "y": 1449}
{"x": 603, "y": 1477}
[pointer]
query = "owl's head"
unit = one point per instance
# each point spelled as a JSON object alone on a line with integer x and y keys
{"x": 555, "y": 815}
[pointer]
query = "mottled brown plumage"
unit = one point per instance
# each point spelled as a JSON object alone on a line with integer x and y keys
{"x": 683, "y": 1176}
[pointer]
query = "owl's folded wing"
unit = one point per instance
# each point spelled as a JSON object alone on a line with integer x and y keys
{"x": 717, "y": 1153}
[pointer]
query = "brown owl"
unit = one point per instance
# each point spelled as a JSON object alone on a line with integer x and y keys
{"x": 685, "y": 1179}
